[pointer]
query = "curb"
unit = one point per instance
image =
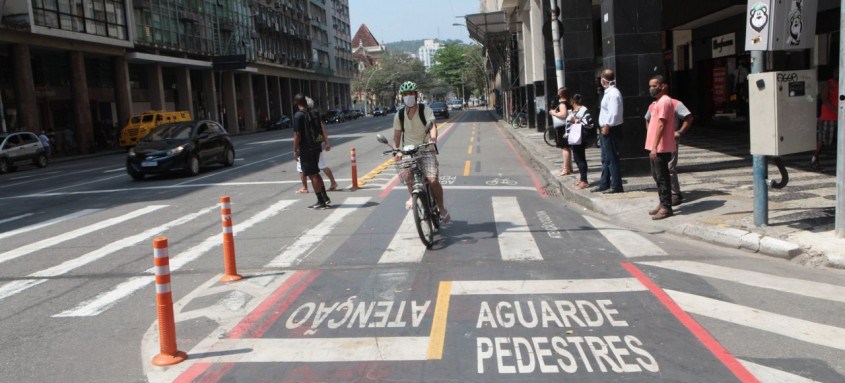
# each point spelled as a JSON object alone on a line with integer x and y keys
{"x": 724, "y": 236}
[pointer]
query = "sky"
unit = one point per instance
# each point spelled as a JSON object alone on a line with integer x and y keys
{"x": 391, "y": 21}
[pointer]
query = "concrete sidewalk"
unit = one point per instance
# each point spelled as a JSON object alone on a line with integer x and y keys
{"x": 715, "y": 173}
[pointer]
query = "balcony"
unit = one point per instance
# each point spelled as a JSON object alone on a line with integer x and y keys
{"x": 323, "y": 71}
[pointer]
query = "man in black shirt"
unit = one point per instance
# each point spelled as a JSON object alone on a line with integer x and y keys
{"x": 307, "y": 140}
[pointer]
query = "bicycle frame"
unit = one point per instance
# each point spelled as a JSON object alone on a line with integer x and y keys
{"x": 425, "y": 209}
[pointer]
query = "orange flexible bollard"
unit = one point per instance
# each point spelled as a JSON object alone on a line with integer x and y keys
{"x": 169, "y": 355}
{"x": 354, "y": 170}
{"x": 231, "y": 269}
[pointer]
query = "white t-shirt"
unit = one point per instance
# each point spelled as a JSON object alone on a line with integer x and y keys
{"x": 415, "y": 133}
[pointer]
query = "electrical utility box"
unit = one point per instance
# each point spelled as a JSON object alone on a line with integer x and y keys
{"x": 783, "y": 112}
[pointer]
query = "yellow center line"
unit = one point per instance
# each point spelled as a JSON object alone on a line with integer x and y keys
{"x": 466, "y": 168}
{"x": 438, "y": 324}
{"x": 469, "y": 150}
{"x": 472, "y": 138}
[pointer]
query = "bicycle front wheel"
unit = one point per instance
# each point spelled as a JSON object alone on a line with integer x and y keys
{"x": 549, "y": 136}
{"x": 422, "y": 218}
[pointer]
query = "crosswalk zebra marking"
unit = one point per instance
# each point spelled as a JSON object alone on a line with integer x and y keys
{"x": 10, "y": 219}
{"x": 309, "y": 241}
{"x": 516, "y": 243}
{"x": 52, "y": 241}
{"x": 405, "y": 247}
{"x": 628, "y": 243}
{"x": 800, "y": 329}
{"x": 549, "y": 286}
{"x": 106, "y": 300}
{"x": 40, "y": 277}
{"x": 771, "y": 375}
{"x": 37, "y": 226}
{"x": 756, "y": 279}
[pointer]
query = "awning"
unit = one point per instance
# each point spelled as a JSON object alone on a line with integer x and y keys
{"x": 493, "y": 31}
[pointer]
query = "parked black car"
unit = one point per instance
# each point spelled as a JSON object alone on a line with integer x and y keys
{"x": 379, "y": 112}
{"x": 390, "y": 109}
{"x": 357, "y": 113}
{"x": 20, "y": 147}
{"x": 183, "y": 146}
{"x": 333, "y": 116}
{"x": 283, "y": 122}
{"x": 440, "y": 109}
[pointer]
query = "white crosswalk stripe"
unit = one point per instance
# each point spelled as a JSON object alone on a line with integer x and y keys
{"x": 45, "y": 243}
{"x": 803, "y": 330}
{"x": 40, "y": 225}
{"x": 756, "y": 279}
{"x": 515, "y": 239}
{"x": 39, "y": 277}
{"x": 104, "y": 301}
{"x": 405, "y": 247}
{"x": 294, "y": 253}
{"x": 628, "y": 243}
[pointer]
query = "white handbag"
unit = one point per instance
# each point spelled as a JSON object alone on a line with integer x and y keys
{"x": 575, "y": 131}
{"x": 557, "y": 123}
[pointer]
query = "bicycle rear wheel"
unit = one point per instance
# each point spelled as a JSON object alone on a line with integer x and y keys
{"x": 549, "y": 136}
{"x": 422, "y": 218}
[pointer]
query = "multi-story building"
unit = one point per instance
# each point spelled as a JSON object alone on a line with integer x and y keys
{"x": 86, "y": 65}
{"x": 426, "y": 52}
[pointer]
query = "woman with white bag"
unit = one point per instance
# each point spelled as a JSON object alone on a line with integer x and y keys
{"x": 559, "y": 121}
{"x": 579, "y": 120}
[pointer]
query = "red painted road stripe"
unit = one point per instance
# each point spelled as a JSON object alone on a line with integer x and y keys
{"x": 254, "y": 325}
{"x": 525, "y": 166}
{"x": 703, "y": 336}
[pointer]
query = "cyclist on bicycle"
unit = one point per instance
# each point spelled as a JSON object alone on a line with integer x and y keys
{"x": 414, "y": 132}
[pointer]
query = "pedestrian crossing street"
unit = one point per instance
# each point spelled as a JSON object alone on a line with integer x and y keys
{"x": 517, "y": 234}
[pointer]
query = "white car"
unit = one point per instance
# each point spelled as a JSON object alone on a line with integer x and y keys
{"x": 20, "y": 147}
{"x": 456, "y": 105}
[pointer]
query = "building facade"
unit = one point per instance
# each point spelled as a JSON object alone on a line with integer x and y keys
{"x": 80, "y": 68}
{"x": 698, "y": 46}
{"x": 426, "y": 52}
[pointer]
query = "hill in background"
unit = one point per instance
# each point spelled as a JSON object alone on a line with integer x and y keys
{"x": 411, "y": 46}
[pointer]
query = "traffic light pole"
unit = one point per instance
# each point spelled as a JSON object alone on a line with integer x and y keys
{"x": 759, "y": 168}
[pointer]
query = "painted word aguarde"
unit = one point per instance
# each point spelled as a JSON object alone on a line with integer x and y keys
{"x": 589, "y": 337}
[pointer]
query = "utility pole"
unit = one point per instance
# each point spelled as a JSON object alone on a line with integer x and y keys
{"x": 3, "y": 112}
{"x": 759, "y": 166}
{"x": 556, "y": 45}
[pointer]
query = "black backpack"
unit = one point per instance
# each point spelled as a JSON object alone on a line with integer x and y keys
{"x": 312, "y": 134}
{"x": 402, "y": 116}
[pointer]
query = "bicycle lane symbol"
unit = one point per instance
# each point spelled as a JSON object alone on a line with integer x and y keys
{"x": 501, "y": 181}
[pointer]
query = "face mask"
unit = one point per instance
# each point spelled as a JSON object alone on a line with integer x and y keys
{"x": 654, "y": 91}
{"x": 409, "y": 101}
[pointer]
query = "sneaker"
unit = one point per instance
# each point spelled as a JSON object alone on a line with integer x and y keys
{"x": 677, "y": 199}
{"x": 318, "y": 206}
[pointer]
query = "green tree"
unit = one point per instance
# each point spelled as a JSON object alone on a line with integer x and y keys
{"x": 449, "y": 64}
{"x": 383, "y": 79}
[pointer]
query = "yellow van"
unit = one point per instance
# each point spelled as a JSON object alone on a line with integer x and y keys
{"x": 141, "y": 124}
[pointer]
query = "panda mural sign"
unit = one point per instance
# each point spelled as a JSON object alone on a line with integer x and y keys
{"x": 780, "y": 25}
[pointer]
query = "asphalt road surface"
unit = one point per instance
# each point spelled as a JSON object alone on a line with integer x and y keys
{"x": 518, "y": 287}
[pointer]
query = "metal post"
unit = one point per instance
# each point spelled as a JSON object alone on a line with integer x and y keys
{"x": 759, "y": 168}
{"x": 2, "y": 112}
{"x": 839, "y": 217}
{"x": 556, "y": 45}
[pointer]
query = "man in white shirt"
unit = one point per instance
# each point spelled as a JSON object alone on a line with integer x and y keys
{"x": 610, "y": 119}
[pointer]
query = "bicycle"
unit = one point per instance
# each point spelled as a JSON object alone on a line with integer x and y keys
{"x": 549, "y": 136}
{"x": 426, "y": 211}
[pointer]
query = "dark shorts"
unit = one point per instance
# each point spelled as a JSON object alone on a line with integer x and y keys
{"x": 310, "y": 160}
{"x": 826, "y": 132}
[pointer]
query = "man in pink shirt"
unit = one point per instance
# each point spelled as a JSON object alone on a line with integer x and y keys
{"x": 660, "y": 142}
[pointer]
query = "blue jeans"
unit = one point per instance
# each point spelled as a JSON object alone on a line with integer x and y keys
{"x": 610, "y": 177}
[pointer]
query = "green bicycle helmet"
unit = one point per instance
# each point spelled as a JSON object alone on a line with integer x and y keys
{"x": 407, "y": 86}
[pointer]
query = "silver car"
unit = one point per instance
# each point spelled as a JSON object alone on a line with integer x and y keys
{"x": 20, "y": 147}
